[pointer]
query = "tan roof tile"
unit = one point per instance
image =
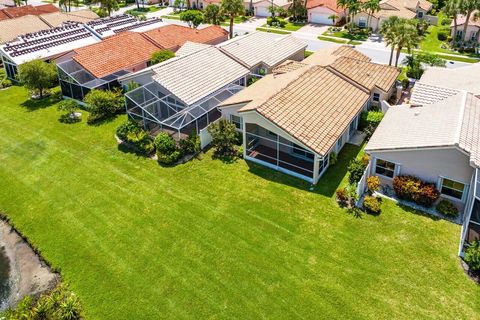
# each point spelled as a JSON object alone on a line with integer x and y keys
{"x": 12, "y": 28}
{"x": 331, "y": 4}
{"x": 470, "y": 131}
{"x": 55, "y": 19}
{"x": 21, "y": 11}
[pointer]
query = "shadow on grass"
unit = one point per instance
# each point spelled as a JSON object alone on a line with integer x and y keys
{"x": 128, "y": 148}
{"x": 417, "y": 212}
{"x": 32, "y": 105}
{"x": 67, "y": 119}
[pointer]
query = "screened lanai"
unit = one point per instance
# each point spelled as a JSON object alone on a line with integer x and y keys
{"x": 157, "y": 111}
{"x": 76, "y": 82}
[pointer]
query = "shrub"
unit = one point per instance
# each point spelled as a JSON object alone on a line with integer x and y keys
{"x": 333, "y": 158}
{"x": 167, "y": 150}
{"x": 103, "y": 104}
{"x": 224, "y": 137}
{"x": 371, "y": 204}
{"x": 276, "y": 22}
{"x": 411, "y": 188}
{"x": 191, "y": 144}
{"x": 5, "y": 83}
{"x": 472, "y": 256}
{"x": 342, "y": 195}
{"x": 56, "y": 94}
{"x": 130, "y": 132}
{"x": 369, "y": 121}
{"x": 447, "y": 208}
{"x": 356, "y": 167}
{"x": 161, "y": 56}
{"x": 346, "y": 196}
{"x": 192, "y": 17}
{"x": 442, "y": 36}
{"x": 125, "y": 128}
{"x": 69, "y": 106}
{"x": 373, "y": 184}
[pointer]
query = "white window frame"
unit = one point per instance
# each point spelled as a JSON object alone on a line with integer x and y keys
{"x": 420, "y": 14}
{"x": 376, "y": 99}
{"x": 362, "y": 22}
{"x": 464, "y": 192}
{"x": 235, "y": 122}
{"x": 396, "y": 169}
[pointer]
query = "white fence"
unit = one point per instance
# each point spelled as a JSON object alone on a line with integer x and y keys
{"x": 362, "y": 184}
{"x": 205, "y": 137}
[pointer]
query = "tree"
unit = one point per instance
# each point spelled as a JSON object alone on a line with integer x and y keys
{"x": 297, "y": 10}
{"x": 193, "y": 17}
{"x": 370, "y": 7}
{"x": 232, "y": 9}
{"x": 431, "y": 59}
{"x": 37, "y": 75}
{"x": 414, "y": 66}
{"x": 224, "y": 135}
{"x": 212, "y": 15}
{"x": 109, "y": 5}
{"x": 69, "y": 106}
{"x": 468, "y": 7}
{"x": 103, "y": 104}
{"x": 161, "y": 56}
{"x": 406, "y": 37}
{"x": 388, "y": 31}
{"x": 452, "y": 9}
{"x": 334, "y": 18}
{"x": 272, "y": 10}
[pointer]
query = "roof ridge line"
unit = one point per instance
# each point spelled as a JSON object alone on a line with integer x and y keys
{"x": 462, "y": 114}
{"x": 346, "y": 78}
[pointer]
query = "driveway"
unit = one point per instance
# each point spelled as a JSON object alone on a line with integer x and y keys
{"x": 313, "y": 29}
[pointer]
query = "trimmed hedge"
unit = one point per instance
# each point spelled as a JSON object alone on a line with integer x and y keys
{"x": 371, "y": 204}
{"x": 447, "y": 208}
{"x": 167, "y": 151}
{"x": 411, "y": 188}
{"x": 130, "y": 132}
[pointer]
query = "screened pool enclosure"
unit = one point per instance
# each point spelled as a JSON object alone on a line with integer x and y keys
{"x": 157, "y": 111}
{"x": 76, "y": 82}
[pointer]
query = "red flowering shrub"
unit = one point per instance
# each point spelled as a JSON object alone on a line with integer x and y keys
{"x": 411, "y": 188}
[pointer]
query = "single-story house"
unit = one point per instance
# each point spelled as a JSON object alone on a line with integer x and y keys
{"x": 408, "y": 9}
{"x": 260, "y": 52}
{"x": 109, "y": 26}
{"x": 322, "y": 11}
{"x": 98, "y": 66}
{"x": 436, "y": 138}
{"x": 20, "y": 11}
{"x": 181, "y": 95}
{"x": 261, "y": 7}
{"x": 293, "y": 119}
{"x": 473, "y": 28}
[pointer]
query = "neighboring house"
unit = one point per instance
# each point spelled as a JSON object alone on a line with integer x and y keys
{"x": 408, "y": 9}
{"x": 6, "y": 4}
{"x": 54, "y": 35}
{"x": 98, "y": 66}
{"x": 436, "y": 138}
{"x": 261, "y": 7}
{"x": 16, "y": 12}
{"x": 293, "y": 119}
{"x": 260, "y": 52}
{"x": 181, "y": 95}
{"x": 473, "y": 28}
{"x": 321, "y": 11}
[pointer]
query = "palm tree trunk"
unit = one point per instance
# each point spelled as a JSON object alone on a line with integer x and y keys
{"x": 138, "y": 3}
{"x": 231, "y": 26}
{"x": 391, "y": 55}
{"x": 465, "y": 26}
{"x": 399, "y": 49}
{"x": 251, "y": 7}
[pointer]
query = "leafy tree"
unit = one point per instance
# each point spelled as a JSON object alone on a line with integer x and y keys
{"x": 389, "y": 33}
{"x": 109, "y": 5}
{"x": 334, "y": 18}
{"x": 468, "y": 7}
{"x": 167, "y": 150}
{"x": 224, "y": 137}
{"x": 231, "y": 9}
{"x": 297, "y": 10}
{"x": 103, "y": 104}
{"x": 69, "y": 106}
{"x": 37, "y": 75}
{"x": 452, "y": 9}
{"x": 212, "y": 15}
{"x": 193, "y": 17}
{"x": 161, "y": 56}
{"x": 371, "y": 7}
{"x": 406, "y": 36}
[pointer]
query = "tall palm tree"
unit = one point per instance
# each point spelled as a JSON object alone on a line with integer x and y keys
{"x": 452, "y": 9}
{"x": 334, "y": 18}
{"x": 371, "y": 7}
{"x": 406, "y": 37}
{"x": 467, "y": 8}
{"x": 232, "y": 9}
{"x": 388, "y": 31}
{"x": 344, "y": 5}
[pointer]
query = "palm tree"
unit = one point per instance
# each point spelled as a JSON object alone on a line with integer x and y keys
{"x": 452, "y": 9}
{"x": 334, "y": 18}
{"x": 467, "y": 8}
{"x": 406, "y": 37}
{"x": 344, "y": 5}
{"x": 387, "y": 30}
{"x": 231, "y": 9}
{"x": 370, "y": 7}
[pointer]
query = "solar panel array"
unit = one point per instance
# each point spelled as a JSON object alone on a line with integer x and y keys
{"x": 111, "y": 24}
{"x": 138, "y": 25}
{"x": 37, "y": 41}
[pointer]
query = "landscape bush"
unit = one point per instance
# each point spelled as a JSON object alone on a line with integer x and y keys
{"x": 56, "y": 94}
{"x": 69, "y": 106}
{"x": 370, "y": 120}
{"x": 5, "y": 83}
{"x": 276, "y": 22}
{"x": 161, "y": 55}
{"x": 373, "y": 184}
{"x": 371, "y": 204}
{"x": 132, "y": 133}
{"x": 191, "y": 144}
{"x": 447, "y": 208}
{"x": 472, "y": 256}
{"x": 224, "y": 138}
{"x": 103, "y": 104}
{"x": 356, "y": 168}
{"x": 411, "y": 188}
{"x": 442, "y": 35}
{"x": 167, "y": 151}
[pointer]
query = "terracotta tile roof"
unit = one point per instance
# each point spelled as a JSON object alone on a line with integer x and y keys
{"x": 12, "y": 28}
{"x": 55, "y": 19}
{"x": 21, "y": 11}
{"x": 172, "y": 36}
{"x": 330, "y": 4}
{"x": 472, "y": 22}
{"x": 115, "y": 53}
{"x": 367, "y": 74}
{"x": 3, "y": 15}
{"x": 315, "y": 108}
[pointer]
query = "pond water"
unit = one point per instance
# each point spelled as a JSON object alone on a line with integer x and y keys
{"x": 4, "y": 278}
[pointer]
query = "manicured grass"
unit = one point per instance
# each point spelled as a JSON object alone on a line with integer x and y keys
{"x": 272, "y": 30}
{"x": 213, "y": 240}
{"x": 143, "y": 10}
{"x": 290, "y": 26}
{"x": 308, "y": 53}
{"x": 346, "y": 35}
{"x": 171, "y": 17}
{"x": 354, "y": 43}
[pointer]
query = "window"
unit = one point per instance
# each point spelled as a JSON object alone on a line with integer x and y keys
{"x": 339, "y": 143}
{"x": 459, "y": 34}
{"x": 237, "y": 121}
{"x": 385, "y": 168}
{"x": 272, "y": 134}
{"x": 452, "y": 188}
{"x": 420, "y": 15}
{"x": 323, "y": 164}
{"x": 473, "y": 36}
{"x": 362, "y": 22}
{"x": 299, "y": 151}
{"x": 376, "y": 97}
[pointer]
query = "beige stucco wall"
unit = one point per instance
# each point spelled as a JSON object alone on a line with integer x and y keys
{"x": 470, "y": 31}
{"x": 325, "y": 10}
{"x": 373, "y": 23}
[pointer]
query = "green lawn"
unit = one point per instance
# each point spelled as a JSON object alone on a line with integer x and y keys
{"x": 215, "y": 240}
{"x": 144, "y": 10}
{"x": 346, "y": 35}
{"x": 272, "y": 30}
{"x": 290, "y": 26}
{"x": 344, "y": 41}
